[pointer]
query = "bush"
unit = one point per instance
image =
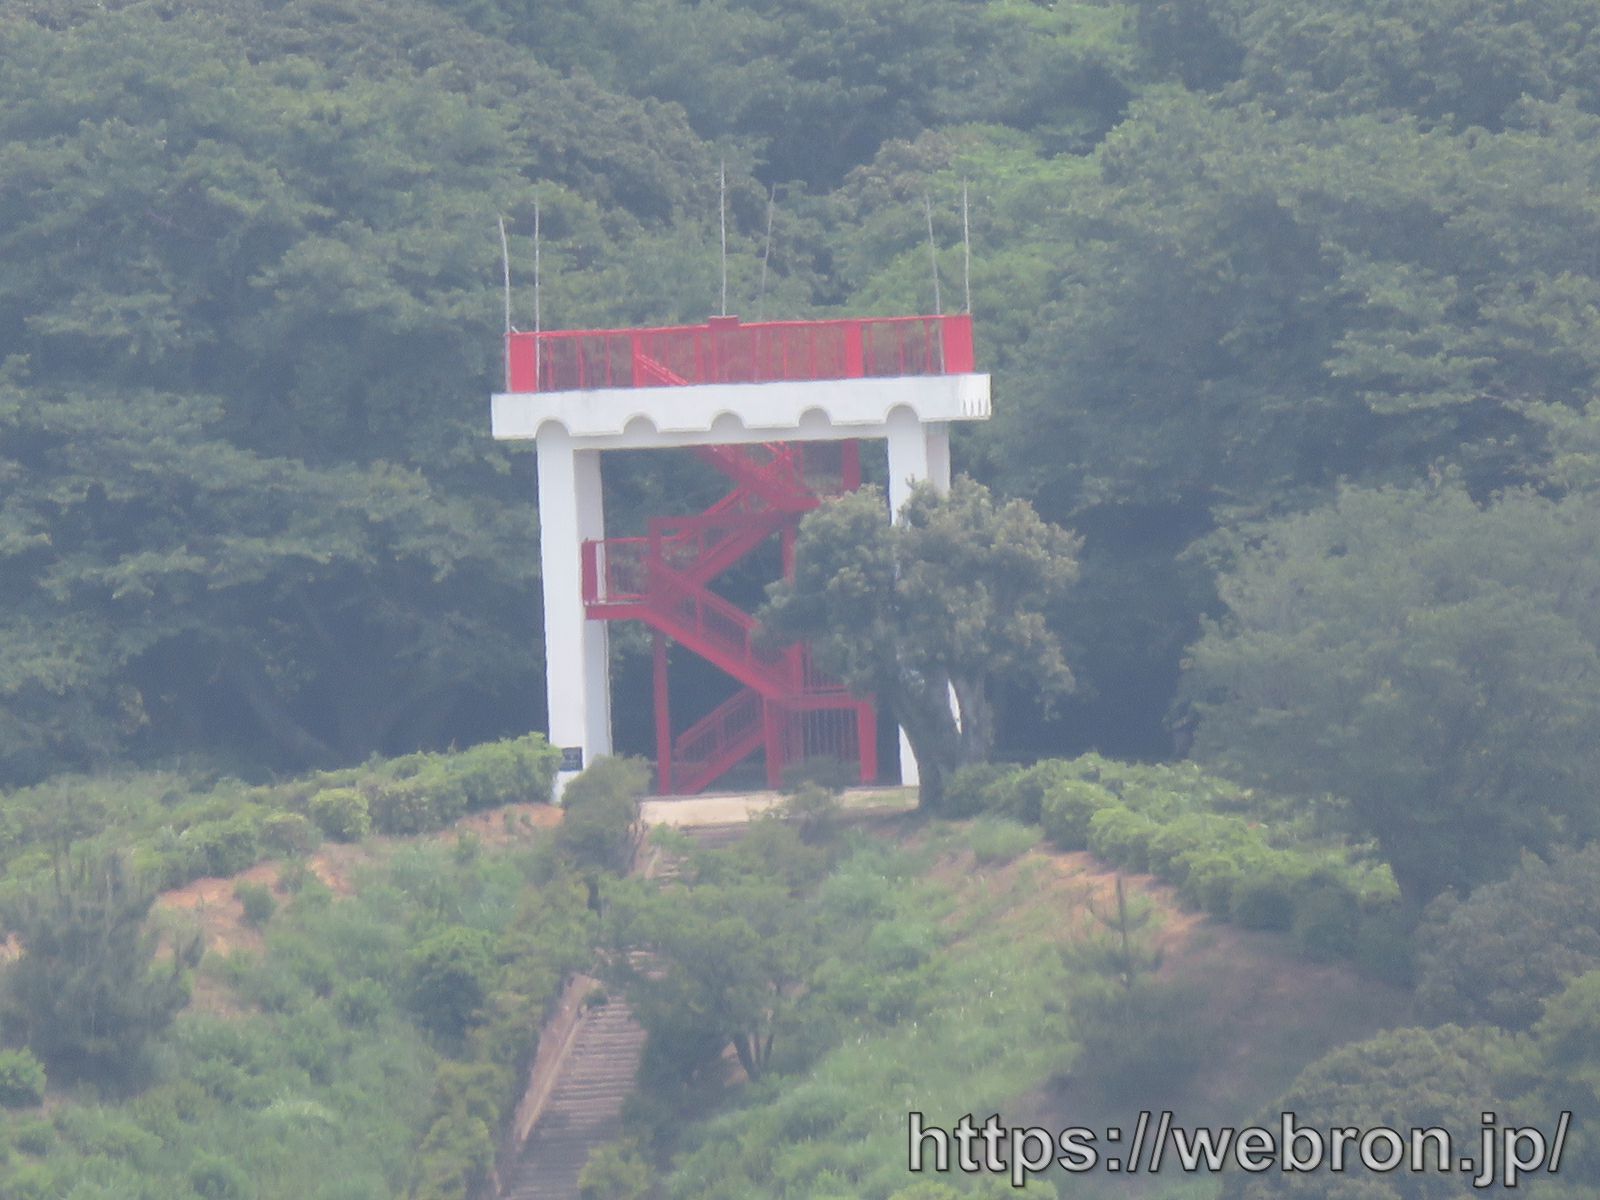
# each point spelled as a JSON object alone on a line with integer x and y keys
{"x": 1020, "y": 794}
{"x": 507, "y": 772}
{"x": 256, "y": 898}
{"x": 341, "y": 813}
{"x": 450, "y": 975}
{"x": 289, "y": 833}
{"x": 1326, "y": 918}
{"x": 1263, "y": 897}
{"x": 1498, "y": 955}
{"x": 1139, "y": 1042}
{"x": 820, "y": 770}
{"x": 1122, "y": 838}
{"x": 997, "y": 840}
{"x": 1067, "y": 807}
{"x": 966, "y": 792}
{"x": 1209, "y": 880}
{"x": 215, "y": 1178}
{"x": 222, "y": 848}
{"x": 360, "y": 1002}
{"x": 600, "y": 828}
{"x": 616, "y": 1172}
{"x": 1384, "y": 947}
{"x": 22, "y": 1079}
{"x": 426, "y": 801}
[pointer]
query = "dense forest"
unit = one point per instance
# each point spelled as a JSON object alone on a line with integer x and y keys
{"x": 1293, "y": 316}
{"x": 1228, "y": 258}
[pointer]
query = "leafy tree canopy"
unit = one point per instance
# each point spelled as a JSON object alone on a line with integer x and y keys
{"x": 1435, "y": 663}
{"x": 948, "y": 599}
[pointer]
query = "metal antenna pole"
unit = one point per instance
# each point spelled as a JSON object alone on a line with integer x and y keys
{"x": 933, "y": 255}
{"x": 505, "y": 266}
{"x": 966, "y": 250}
{"x": 766, "y": 254}
{"x": 538, "y": 315}
{"x": 722, "y": 217}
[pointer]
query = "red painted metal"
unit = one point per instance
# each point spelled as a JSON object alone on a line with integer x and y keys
{"x": 726, "y": 351}
{"x": 784, "y": 704}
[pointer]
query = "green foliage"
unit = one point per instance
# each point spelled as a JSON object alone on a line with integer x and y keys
{"x": 86, "y": 994}
{"x": 22, "y": 1079}
{"x": 257, "y": 901}
{"x": 948, "y": 599}
{"x": 1067, "y": 809}
{"x": 967, "y": 793}
{"x": 341, "y": 813}
{"x": 727, "y": 964}
{"x": 1428, "y": 659}
{"x": 289, "y": 834}
{"x": 618, "y": 1171}
{"x": 448, "y": 976}
{"x": 1140, "y": 1041}
{"x": 600, "y": 821}
{"x": 996, "y": 841}
{"x": 1497, "y": 956}
{"x": 1405, "y": 1078}
{"x": 216, "y": 1178}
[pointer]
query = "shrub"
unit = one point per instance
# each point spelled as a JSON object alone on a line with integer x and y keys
{"x": 215, "y": 1178}
{"x": 1020, "y": 794}
{"x": 449, "y": 976}
{"x": 256, "y": 898}
{"x": 997, "y": 840}
{"x": 1384, "y": 947}
{"x": 1122, "y": 838}
{"x": 1209, "y": 880}
{"x": 22, "y": 1079}
{"x": 224, "y": 847}
{"x": 1326, "y": 918}
{"x": 966, "y": 791}
{"x": 820, "y": 770}
{"x": 341, "y": 813}
{"x": 1263, "y": 897}
{"x": 1497, "y": 956}
{"x": 1139, "y": 1042}
{"x": 506, "y": 772}
{"x": 600, "y": 828}
{"x": 616, "y": 1172}
{"x": 1068, "y": 806}
{"x": 1173, "y": 846}
{"x": 289, "y": 833}
{"x": 360, "y": 1002}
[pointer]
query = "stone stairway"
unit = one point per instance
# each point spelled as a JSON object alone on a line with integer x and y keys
{"x": 585, "y": 1108}
{"x": 595, "y": 1075}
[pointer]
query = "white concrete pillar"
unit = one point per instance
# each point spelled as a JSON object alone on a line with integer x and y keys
{"x": 577, "y": 663}
{"x": 917, "y": 452}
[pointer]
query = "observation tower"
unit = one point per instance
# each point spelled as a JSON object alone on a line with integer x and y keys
{"x": 781, "y": 410}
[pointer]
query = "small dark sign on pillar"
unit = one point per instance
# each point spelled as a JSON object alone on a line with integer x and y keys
{"x": 571, "y": 758}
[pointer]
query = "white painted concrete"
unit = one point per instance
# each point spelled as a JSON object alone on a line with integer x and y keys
{"x": 918, "y": 452}
{"x": 726, "y": 413}
{"x": 571, "y": 429}
{"x": 577, "y": 666}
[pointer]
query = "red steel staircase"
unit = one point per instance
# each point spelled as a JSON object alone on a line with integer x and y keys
{"x": 782, "y": 704}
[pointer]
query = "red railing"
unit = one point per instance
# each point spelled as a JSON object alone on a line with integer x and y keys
{"x": 725, "y": 735}
{"x": 725, "y": 351}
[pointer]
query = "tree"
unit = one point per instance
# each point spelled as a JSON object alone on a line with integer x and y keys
{"x": 712, "y": 966}
{"x": 1497, "y": 956}
{"x": 450, "y": 974}
{"x": 1402, "y": 1079}
{"x": 249, "y": 502}
{"x": 1434, "y": 663}
{"x": 950, "y": 598}
{"x": 86, "y": 994}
